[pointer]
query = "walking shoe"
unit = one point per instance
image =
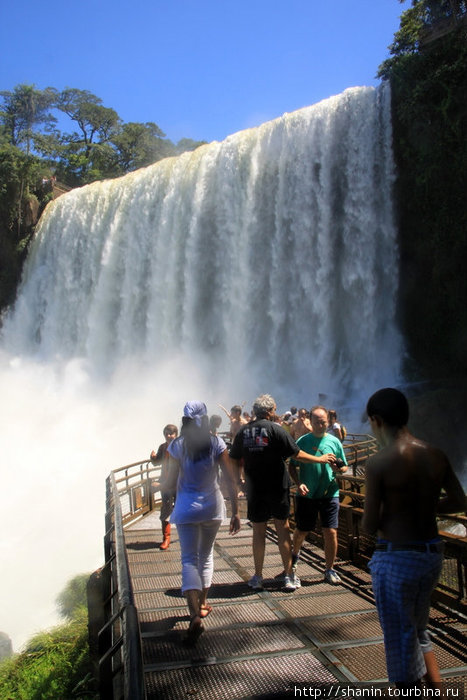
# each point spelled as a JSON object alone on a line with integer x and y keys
{"x": 296, "y": 581}
{"x": 289, "y": 583}
{"x": 256, "y": 583}
{"x": 331, "y": 576}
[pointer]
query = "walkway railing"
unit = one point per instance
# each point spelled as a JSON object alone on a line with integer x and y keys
{"x": 357, "y": 546}
{"x": 120, "y": 664}
{"x": 137, "y": 498}
{"x": 133, "y": 482}
{"x": 130, "y": 497}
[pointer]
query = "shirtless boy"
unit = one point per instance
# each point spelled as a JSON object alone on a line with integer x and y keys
{"x": 402, "y": 497}
{"x": 302, "y": 425}
{"x": 236, "y": 419}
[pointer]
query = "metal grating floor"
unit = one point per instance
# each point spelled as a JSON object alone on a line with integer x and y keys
{"x": 262, "y": 644}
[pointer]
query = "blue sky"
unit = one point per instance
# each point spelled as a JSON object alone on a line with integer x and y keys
{"x": 202, "y": 69}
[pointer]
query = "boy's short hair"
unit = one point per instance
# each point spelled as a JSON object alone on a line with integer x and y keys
{"x": 170, "y": 429}
{"x": 391, "y": 405}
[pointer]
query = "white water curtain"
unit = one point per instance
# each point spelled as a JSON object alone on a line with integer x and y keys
{"x": 270, "y": 257}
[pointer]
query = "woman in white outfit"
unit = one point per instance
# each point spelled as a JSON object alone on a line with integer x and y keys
{"x": 199, "y": 506}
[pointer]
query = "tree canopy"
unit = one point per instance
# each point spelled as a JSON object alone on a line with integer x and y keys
{"x": 91, "y": 144}
{"x": 427, "y": 70}
{"x": 98, "y": 144}
{"x": 415, "y": 25}
{"x": 26, "y": 109}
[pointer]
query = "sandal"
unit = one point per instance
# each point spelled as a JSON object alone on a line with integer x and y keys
{"x": 194, "y": 632}
{"x": 205, "y": 610}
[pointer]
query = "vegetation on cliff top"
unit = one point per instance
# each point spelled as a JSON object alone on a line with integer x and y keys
{"x": 93, "y": 143}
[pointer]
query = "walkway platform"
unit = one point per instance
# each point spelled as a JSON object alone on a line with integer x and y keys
{"x": 265, "y": 644}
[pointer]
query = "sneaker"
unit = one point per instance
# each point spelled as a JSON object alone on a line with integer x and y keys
{"x": 294, "y": 562}
{"x": 296, "y": 581}
{"x": 256, "y": 583}
{"x": 331, "y": 576}
{"x": 289, "y": 583}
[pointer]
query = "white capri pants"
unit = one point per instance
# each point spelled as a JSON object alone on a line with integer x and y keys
{"x": 197, "y": 548}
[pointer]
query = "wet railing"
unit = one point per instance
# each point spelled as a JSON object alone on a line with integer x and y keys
{"x": 135, "y": 490}
{"x": 356, "y": 545}
{"x": 137, "y": 498}
{"x": 119, "y": 642}
{"x": 130, "y": 496}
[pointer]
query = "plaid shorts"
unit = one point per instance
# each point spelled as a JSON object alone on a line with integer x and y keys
{"x": 402, "y": 583}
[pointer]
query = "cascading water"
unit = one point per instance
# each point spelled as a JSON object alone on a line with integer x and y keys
{"x": 270, "y": 257}
{"x": 265, "y": 263}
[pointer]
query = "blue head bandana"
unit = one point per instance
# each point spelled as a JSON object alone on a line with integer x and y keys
{"x": 195, "y": 410}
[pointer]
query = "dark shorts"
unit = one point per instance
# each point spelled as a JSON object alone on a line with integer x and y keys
{"x": 263, "y": 506}
{"x": 307, "y": 510}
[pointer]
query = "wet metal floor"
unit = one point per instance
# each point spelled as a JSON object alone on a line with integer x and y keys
{"x": 267, "y": 643}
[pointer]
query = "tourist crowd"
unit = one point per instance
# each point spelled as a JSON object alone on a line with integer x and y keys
{"x": 261, "y": 456}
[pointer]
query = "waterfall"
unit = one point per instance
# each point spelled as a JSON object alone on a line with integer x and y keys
{"x": 270, "y": 257}
{"x": 265, "y": 263}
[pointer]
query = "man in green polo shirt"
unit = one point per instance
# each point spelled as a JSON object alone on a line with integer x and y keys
{"x": 318, "y": 490}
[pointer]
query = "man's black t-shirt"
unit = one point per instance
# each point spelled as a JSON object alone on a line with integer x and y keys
{"x": 264, "y": 447}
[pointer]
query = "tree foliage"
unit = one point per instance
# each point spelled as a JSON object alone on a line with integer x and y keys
{"x": 428, "y": 70}
{"x": 24, "y": 110}
{"x": 97, "y": 144}
{"x": 73, "y": 596}
{"x": 138, "y": 145}
{"x": 56, "y": 663}
{"x": 422, "y": 16}
{"x": 94, "y": 121}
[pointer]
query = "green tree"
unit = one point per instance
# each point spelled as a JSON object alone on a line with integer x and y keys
{"x": 86, "y": 155}
{"x": 32, "y": 149}
{"x": 138, "y": 145}
{"x": 427, "y": 71}
{"x": 56, "y": 663}
{"x": 18, "y": 211}
{"x": 94, "y": 121}
{"x": 73, "y": 596}
{"x": 415, "y": 22}
{"x": 25, "y": 109}
{"x": 188, "y": 145}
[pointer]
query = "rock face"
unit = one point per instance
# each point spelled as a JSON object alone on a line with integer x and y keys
{"x": 6, "y": 648}
{"x": 31, "y": 211}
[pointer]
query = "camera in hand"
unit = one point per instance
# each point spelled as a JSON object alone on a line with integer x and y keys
{"x": 339, "y": 463}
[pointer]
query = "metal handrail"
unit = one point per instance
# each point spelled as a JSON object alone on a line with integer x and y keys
{"x": 132, "y": 485}
{"x": 137, "y": 480}
{"x": 121, "y": 665}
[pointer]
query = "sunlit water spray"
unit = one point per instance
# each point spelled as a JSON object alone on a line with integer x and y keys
{"x": 267, "y": 262}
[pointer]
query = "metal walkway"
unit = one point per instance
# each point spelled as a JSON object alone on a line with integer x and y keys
{"x": 269, "y": 643}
